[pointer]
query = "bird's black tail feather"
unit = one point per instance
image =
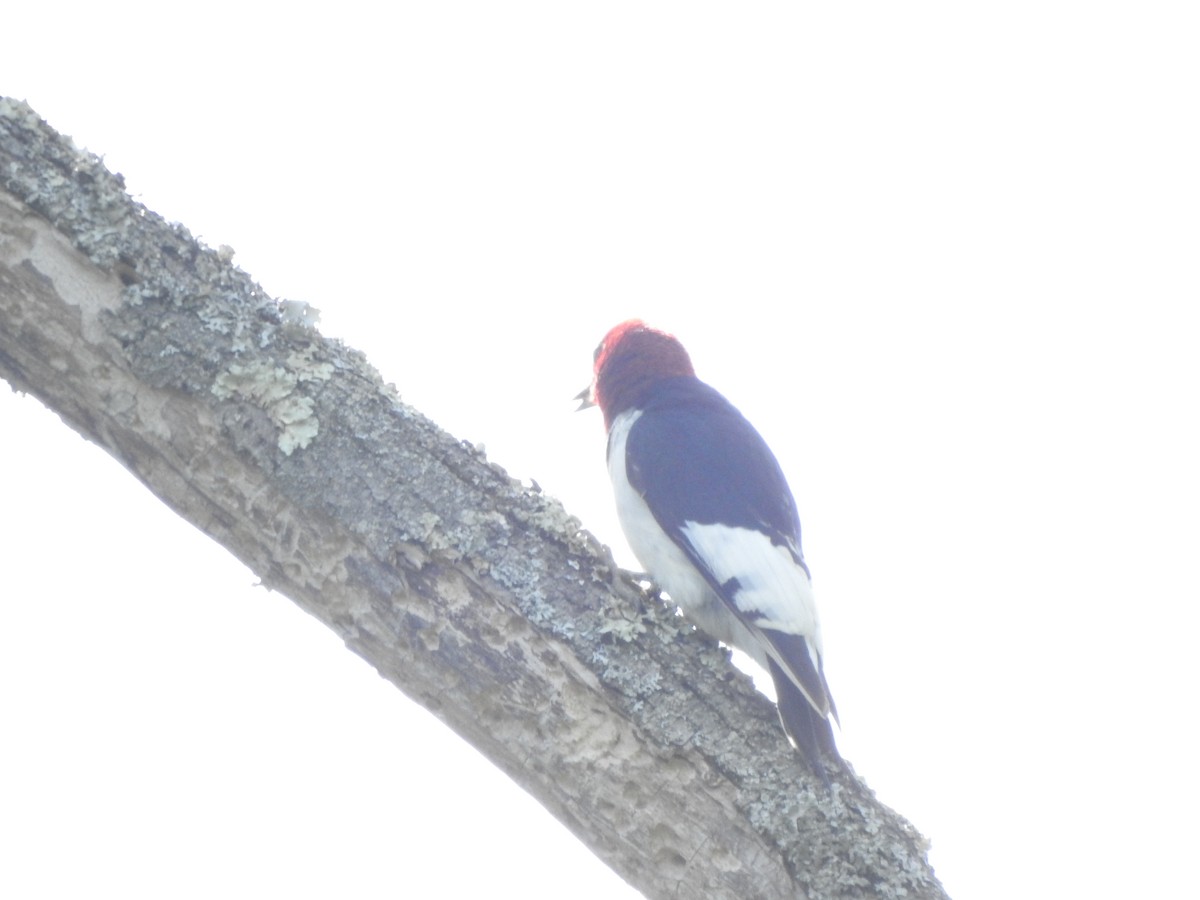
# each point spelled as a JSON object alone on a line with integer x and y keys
{"x": 811, "y": 732}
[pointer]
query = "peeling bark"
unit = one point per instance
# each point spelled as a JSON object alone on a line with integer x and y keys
{"x": 481, "y": 599}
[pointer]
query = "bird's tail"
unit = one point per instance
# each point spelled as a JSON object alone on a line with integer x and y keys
{"x": 809, "y": 731}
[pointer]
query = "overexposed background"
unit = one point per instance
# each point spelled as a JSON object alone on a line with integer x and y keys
{"x": 944, "y": 256}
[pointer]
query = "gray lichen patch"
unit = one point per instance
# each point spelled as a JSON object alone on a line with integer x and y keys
{"x": 96, "y": 219}
{"x": 188, "y": 320}
{"x": 272, "y": 389}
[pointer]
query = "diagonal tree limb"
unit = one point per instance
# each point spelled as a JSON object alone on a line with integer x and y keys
{"x": 479, "y": 598}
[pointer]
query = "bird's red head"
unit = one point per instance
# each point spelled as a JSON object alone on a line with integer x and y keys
{"x": 632, "y": 357}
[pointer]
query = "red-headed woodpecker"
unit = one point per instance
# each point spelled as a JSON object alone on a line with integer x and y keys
{"x": 708, "y": 513}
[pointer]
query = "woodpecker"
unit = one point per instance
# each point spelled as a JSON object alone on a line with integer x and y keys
{"x": 707, "y": 511}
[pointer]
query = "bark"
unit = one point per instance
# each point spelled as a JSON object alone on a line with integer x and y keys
{"x": 481, "y": 599}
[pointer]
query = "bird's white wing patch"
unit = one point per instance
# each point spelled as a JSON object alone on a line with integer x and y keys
{"x": 772, "y": 590}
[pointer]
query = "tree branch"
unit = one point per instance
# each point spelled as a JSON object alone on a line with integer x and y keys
{"x": 482, "y": 600}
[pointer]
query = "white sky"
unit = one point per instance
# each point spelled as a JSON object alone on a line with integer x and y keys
{"x": 945, "y": 257}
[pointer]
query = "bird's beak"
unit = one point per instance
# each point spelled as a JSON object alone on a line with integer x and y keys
{"x": 585, "y": 399}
